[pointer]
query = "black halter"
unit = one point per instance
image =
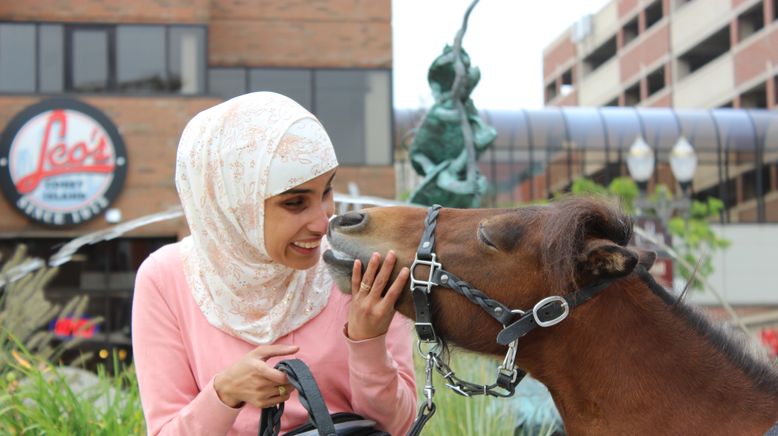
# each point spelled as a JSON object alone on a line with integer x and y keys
{"x": 545, "y": 313}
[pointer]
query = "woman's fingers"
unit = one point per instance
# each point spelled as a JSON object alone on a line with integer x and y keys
{"x": 396, "y": 289}
{"x": 356, "y": 277}
{"x": 366, "y": 283}
{"x": 381, "y": 280}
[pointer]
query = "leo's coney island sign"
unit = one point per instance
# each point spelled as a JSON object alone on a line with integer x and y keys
{"x": 62, "y": 162}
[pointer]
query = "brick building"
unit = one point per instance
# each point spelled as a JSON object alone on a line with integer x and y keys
{"x": 144, "y": 68}
{"x": 662, "y": 70}
{"x": 679, "y": 53}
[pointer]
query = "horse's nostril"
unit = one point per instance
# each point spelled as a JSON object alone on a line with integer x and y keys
{"x": 349, "y": 221}
{"x": 352, "y": 219}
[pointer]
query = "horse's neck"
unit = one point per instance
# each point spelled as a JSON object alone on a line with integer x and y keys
{"x": 626, "y": 361}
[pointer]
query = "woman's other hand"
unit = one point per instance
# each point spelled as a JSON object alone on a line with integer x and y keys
{"x": 251, "y": 380}
{"x": 371, "y": 309}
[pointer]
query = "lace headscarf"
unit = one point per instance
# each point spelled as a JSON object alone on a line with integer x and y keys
{"x": 232, "y": 157}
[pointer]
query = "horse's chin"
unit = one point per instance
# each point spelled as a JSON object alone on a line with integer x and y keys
{"x": 340, "y": 266}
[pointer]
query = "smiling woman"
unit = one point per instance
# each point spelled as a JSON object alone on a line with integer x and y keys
{"x": 296, "y": 221}
{"x": 214, "y": 313}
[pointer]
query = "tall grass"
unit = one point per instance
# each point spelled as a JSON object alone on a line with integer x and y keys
{"x": 478, "y": 415}
{"x": 39, "y": 398}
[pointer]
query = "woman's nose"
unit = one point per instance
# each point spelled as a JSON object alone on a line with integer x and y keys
{"x": 320, "y": 221}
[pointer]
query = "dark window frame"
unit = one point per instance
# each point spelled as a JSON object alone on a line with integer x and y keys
{"x": 112, "y": 89}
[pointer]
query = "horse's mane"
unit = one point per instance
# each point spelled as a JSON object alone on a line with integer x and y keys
{"x": 730, "y": 342}
{"x": 566, "y": 226}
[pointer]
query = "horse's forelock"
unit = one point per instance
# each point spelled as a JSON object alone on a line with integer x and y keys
{"x": 569, "y": 222}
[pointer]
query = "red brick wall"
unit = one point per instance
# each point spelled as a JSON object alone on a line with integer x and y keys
{"x": 320, "y": 33}
{"x": 751, "y": 58}
{"x": 645, "y": 53}
{"x": 107, "y": 11}
{"x": 560, "y": 55}
{"x": 626, "y": 8}
{"x": 332, "y": 33}
{"x": 375, "y": 181}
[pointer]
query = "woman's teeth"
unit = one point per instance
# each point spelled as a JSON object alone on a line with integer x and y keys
{"x": 307, "y": 245}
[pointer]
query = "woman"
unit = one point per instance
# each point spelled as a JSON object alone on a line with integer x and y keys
{"x": 213, "y": 313}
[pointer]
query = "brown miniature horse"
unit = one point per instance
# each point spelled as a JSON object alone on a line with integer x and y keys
{"x": 633, "y": 360}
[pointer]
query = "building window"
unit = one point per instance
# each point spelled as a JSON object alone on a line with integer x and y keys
{"x": 704, "y": 52}
{"x": 750, "y": 22}
{"x": 227, "y": 82}
{"x": 17, "y": 57}
{"x": 630, "y": 31}
{"x": 89, "y": 59}
{"x": 186, "y": 59}
{"x": 653, "y": 13}
{"x": 55, "y": 58}
{"x": 567, "y": 86}
{"x": 140, "y": 58}
{"x": 656, "y": 80}
{"x": 551, "y": 92}
{"x": 295, "y": 84}
{"x": 632, "y": 95}
{"x": 355, "y": 106}
{"x": 51, "y": 58}
{"x": 600, "y": 55}
{"x": 755, "y": 97}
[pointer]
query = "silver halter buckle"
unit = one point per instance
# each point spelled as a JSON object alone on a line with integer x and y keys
{"x": 558, "y": 319}
{"x": 433, "y": 266}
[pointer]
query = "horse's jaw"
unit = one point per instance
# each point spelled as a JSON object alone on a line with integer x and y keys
{"x": 340, "y": 265}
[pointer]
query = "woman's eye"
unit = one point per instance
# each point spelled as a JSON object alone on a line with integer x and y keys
{"x": 327, "y": 192}
{"x": 294, "y": 203}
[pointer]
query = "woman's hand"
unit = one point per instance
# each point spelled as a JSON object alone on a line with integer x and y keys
{"x": 371, "y": 311}
{"x": 251, "y": 380}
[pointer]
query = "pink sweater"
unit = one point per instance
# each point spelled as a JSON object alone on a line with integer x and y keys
{"x": 177, "y": 353}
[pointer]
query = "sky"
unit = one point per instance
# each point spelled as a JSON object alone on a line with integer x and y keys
{"x": 504, "y": 38}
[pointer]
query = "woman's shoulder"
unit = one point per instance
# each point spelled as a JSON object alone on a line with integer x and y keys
{"x": 165, "y": 258}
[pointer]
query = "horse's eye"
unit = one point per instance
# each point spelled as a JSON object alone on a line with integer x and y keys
{"x": 484, "y": 238}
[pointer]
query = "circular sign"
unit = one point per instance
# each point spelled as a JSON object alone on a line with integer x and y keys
{"x": 62, "y": 162}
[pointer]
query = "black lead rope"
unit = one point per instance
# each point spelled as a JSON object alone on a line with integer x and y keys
{"x": 310, "y": 397}
{"x": 424, "y": 415}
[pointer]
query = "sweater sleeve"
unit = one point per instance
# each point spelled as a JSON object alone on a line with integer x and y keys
{"x": 172, "y": 402}
{"x": 381, "y": 373}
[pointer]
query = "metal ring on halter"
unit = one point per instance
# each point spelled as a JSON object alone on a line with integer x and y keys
{"x": 364, "y": 286}
{"x": 434, "y": 348}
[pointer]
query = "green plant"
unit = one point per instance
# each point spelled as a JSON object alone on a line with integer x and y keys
{"x": 25, "y": 311}
{"x": 692, "y": 233}
{"x": 477, "y": 415}
{"x": 40, "y": 398}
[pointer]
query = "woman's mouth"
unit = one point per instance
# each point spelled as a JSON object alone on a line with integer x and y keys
{"x": 306, "y": 247}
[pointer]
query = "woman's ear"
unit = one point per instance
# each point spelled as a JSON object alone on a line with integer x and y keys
{"x": 602, "y": 258}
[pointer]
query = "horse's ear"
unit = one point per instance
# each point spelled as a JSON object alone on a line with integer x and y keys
{"x": 603, "y": 258}
{"x": 646, "y": 259}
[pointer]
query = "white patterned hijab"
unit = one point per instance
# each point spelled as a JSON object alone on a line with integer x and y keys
{"x": 232, "y": 157}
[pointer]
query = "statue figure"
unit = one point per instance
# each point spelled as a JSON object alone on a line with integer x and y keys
{"x": 452, "y": 135}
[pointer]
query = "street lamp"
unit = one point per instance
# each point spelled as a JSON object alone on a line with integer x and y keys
{"x": 683, "y": 162}
{"x": 640, "y": 163}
